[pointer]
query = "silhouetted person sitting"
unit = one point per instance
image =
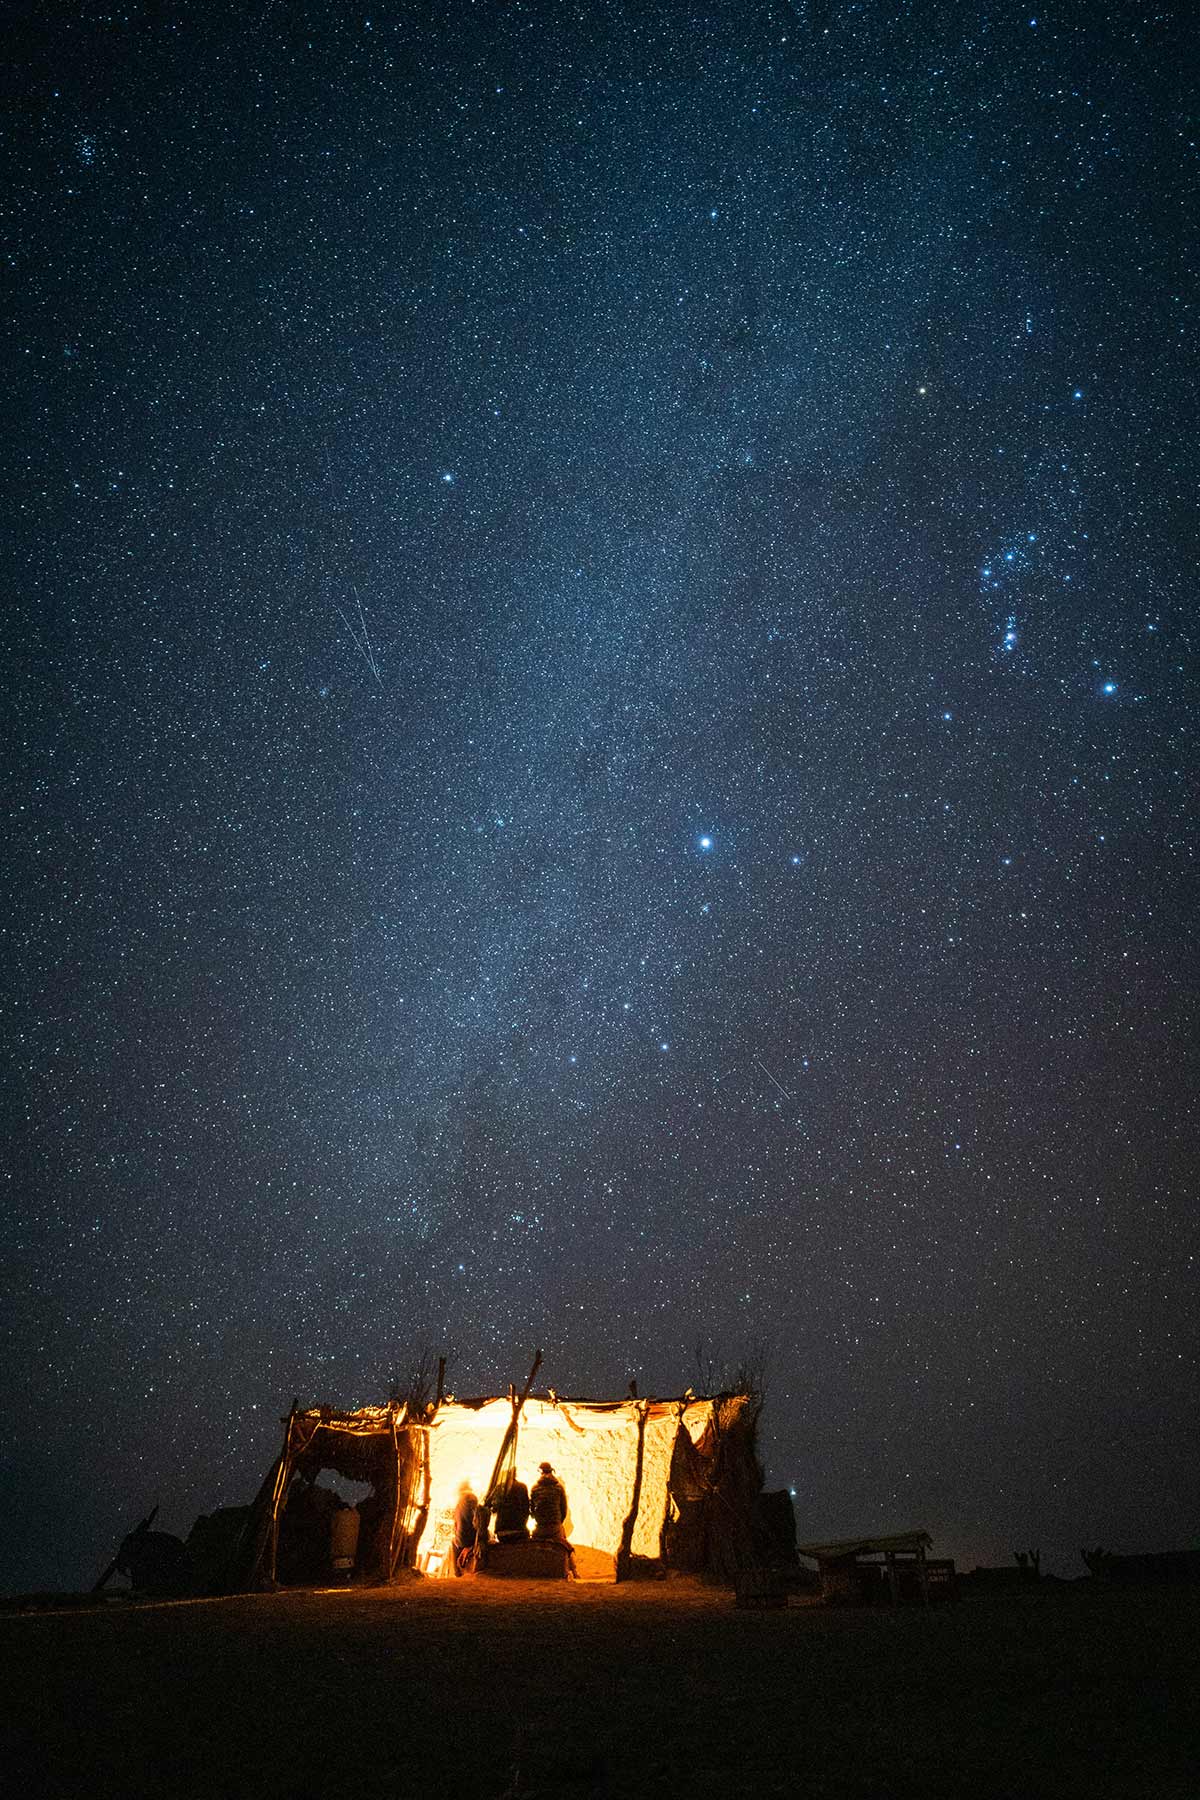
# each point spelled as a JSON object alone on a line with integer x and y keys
{"x": 465, "y": 1524}
{"x": 510, "y": 1508}
{"x": 548, "y": 1504}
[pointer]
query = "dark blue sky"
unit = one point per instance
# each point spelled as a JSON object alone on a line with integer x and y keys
{"x": 598, "y": 630}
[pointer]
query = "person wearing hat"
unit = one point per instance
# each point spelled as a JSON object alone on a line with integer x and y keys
{"x": 548, "y": 1504}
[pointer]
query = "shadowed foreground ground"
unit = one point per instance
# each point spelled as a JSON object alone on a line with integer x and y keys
{"x": 632, "y": 1691}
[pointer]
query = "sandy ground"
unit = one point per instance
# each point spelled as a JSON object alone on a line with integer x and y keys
{"x": 485, "y": 1689}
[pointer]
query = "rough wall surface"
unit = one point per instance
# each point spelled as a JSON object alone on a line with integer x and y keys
{"x": 594, "y": 1453}
{"x": 652, "y": 1502}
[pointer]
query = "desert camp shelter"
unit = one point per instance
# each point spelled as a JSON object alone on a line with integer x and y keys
{"x": 857, "y": 1569}
{"x": 651, "y": 1484}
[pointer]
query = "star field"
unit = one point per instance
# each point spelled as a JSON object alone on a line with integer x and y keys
{"x": 599, "y": 646}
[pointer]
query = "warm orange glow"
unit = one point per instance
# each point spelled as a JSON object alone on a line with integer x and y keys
{"x": 594, "y": 1453}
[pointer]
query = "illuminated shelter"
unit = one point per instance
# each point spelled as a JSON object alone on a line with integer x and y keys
{"x": 651, "y": 1484}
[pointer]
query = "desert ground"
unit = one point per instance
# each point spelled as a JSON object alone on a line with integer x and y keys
{"x": 480, "y": 1689}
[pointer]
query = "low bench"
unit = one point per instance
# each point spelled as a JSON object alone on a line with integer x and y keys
{"x": 537, "y": 1559}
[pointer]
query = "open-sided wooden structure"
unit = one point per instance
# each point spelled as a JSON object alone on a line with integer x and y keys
{"x": 855, "y": 1569}
{"x": 650, "y": 1483}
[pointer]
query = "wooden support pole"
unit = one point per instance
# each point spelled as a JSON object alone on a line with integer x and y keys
{"x": 402, "y": 1505}
{"x": 505, "y": 1442}
{"x": 139, "y": 1531}
{"x": 625, "y": 1552}
{"x": 277, "y": 1497}
{"x": 537, "y": 1363}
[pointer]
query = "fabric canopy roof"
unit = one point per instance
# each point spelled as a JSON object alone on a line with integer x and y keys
{"x": 901, "y": 1541}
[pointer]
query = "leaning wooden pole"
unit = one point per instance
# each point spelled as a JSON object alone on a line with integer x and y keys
{"x": 511, "y": 1433}
{"x": 401, "y": 1506}
{"x": 139, "y": 1531}
{"x": 505, "y": 1442}
{"x": 280, "y": 1489}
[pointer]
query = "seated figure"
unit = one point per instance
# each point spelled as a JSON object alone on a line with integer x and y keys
{"x": 548, "y": 1503}
{"x": 466, "y": 1521}
{"x": 510, "y": 1510}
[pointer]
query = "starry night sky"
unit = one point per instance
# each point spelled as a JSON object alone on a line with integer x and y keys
{"x": 597, "y": 608}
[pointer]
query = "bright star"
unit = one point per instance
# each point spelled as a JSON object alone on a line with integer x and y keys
{"x": 1110, "y": 687}
{"x": 706, "y": 843}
